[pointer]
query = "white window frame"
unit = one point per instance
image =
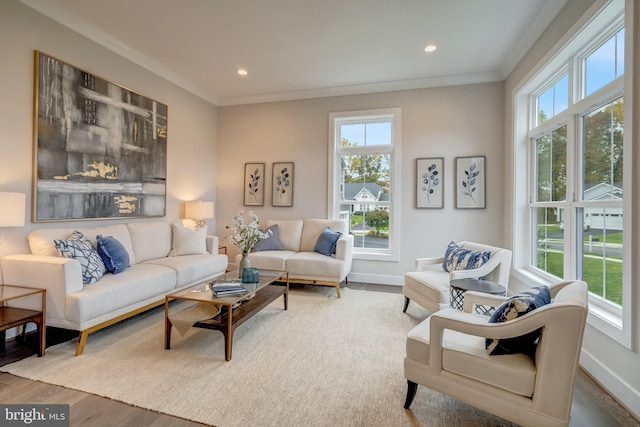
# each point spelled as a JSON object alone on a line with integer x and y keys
{"x": 601, "y": 19}
{"x": 333, "y": 193}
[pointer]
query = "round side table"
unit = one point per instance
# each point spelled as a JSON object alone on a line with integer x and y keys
{"x": 460, "y": 286}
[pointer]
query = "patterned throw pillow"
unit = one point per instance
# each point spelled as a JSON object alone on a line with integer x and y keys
{"x": 514, "y": 307}
{"x": 326, "y": 243}
{"x": 80, "y": 248}
{"x": 458, "y": 258}
{"x": 113, "y": 254}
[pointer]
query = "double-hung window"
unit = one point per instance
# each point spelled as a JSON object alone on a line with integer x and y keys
{"x": 364, "y": 179}
{"x": 576, "y": 176}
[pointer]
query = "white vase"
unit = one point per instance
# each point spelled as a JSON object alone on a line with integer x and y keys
{"x": 244, "y": 263}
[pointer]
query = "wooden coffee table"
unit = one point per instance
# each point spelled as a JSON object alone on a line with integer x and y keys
{"x": 258, "y": 296}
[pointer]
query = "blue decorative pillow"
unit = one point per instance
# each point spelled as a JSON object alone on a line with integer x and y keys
{"x": 514, "y": 307}
{"x": 271, "y": 243}
{"x": 113, "y": 254}
{"x": 458, "y": 258}
{"x": 326, "y": 243}
{"x": 78, "y": 247}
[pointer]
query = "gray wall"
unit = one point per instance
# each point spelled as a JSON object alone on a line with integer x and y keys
{"x": 192, "y": 122}
{"x": 451, "y": 121}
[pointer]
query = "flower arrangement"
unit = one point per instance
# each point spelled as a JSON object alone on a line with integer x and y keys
{"x": 245, "y": 232}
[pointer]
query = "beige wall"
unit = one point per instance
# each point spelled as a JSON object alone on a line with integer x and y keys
{"x": 609, "y": 362}
{"x": 448, "y": 122}
{"x": 191, "y": 126}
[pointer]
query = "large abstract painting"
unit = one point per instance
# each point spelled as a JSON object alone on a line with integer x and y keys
{"x": 100, "y": 149}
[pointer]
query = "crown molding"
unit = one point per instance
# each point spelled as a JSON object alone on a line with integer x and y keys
{"x": 90, "y": 31}
{"x": 428, "y": 82}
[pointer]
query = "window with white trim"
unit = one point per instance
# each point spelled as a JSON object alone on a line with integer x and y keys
{"x": 575, "y": 155}
{"x": 364, "y": 183}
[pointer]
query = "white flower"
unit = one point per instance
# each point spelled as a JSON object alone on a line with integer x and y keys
{"x": 246, "y": 234}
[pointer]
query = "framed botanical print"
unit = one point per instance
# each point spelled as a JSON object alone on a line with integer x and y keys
{"x": 470, "y": 182}
{"x": 430, "y": 182}
{"x": 254, "y": 184}
{"x": 282, "y": 185}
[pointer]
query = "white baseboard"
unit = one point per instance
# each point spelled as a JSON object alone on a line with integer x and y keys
{"x": 623, "y": 392}
{"x": 377, "y": 279}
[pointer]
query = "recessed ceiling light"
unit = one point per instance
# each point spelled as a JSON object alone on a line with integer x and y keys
{"x": 242, "y": 72}
{"x": 430, "y": 48}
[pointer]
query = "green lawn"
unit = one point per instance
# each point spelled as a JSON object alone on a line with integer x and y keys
{"x": 593, "y": 272}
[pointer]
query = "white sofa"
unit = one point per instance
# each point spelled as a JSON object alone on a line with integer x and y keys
{"x": 298, "y": 258}
{"x": 114, "y": 297}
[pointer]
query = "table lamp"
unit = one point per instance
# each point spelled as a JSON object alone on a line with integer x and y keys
{"x": 199, "y": 211}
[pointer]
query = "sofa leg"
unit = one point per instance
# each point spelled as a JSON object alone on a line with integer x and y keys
{"x": 406, "y": 304}
{"x": 82, "y": 340}
{"x": 411, "y": 393}
{"x": 338, "y": 289}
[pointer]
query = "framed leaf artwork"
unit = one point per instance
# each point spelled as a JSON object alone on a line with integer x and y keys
{"x": 254, "y": 184}
{"x": 470, "y": 182}
{"x": 430, "y": 182}
{"x": 282, "y": 186}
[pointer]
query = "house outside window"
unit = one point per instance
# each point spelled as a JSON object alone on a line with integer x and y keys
{"x": 575, "y": 154}
{"x": 364, "y": 149}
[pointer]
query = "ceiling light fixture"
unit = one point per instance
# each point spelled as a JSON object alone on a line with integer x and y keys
{"x": 430, "y": 48}
{"x": 242, "y": 72}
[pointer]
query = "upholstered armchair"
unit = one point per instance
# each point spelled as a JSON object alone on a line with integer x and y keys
{"x": 429, "y": 284}
{"x": 446, "y": 352}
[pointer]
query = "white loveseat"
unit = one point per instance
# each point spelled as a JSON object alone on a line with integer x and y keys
{"x": 298, "y": 257}
{"x": 114, "y": 297}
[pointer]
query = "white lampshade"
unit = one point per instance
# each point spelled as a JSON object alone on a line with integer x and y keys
{"x": 198, "y": 210}
{"x": 12, "y": 207}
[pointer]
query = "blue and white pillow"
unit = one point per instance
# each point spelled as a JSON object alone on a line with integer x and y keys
{"x": 113, "y": 254}
{"x": 514, "y": 307}
{"x": 80, "y": 248}
{"x": 458, "y": 258}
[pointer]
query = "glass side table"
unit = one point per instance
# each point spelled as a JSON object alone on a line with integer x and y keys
{"x": 10, "y": 317}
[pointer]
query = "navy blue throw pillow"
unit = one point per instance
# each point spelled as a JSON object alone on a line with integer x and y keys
{"x": 514, "y": 307}
{"x": 326, "y": 243}
{"x": 113, "y": 254}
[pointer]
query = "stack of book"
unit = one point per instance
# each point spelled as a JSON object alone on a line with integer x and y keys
{"x": 228, "y": 288}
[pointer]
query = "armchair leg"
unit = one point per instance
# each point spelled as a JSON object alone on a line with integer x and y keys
{"x": 411, "y": 393}
{"x": 406, "y": 304}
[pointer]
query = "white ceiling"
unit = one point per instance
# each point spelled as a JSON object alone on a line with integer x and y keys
{"x": 296, "y": 49}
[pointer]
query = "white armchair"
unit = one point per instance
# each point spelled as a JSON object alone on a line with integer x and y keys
{"x": 429, "y": 284}
{"x": 446, "y": 352}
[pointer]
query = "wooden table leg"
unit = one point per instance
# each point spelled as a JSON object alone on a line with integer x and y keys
{"x": 228, "y": 334}
{"x": 167, "y": 334}
{"x": 167, "y": 325}
{"x": 43, "y": 323}
{"x": 41, "y": 335}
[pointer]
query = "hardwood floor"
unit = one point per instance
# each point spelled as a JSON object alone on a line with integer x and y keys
{"x": 592, "y": 405}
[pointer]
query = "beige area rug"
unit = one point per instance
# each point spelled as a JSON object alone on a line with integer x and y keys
{"x": 324, "y": 362}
